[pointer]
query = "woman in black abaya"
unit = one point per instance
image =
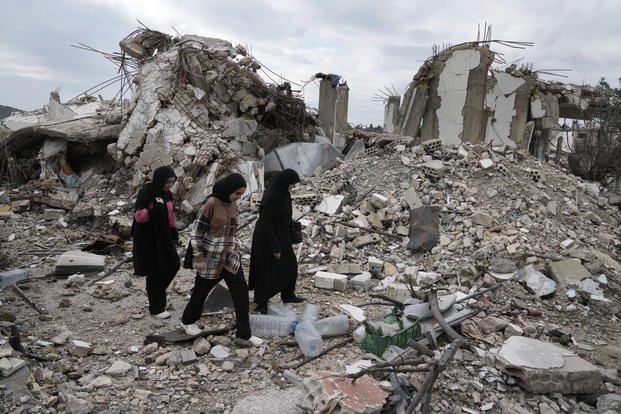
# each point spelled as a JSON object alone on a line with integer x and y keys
{"x": 273, "y": 265}
{"x": 155, "y": 237}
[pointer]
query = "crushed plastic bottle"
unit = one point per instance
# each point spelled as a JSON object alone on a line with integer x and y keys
{"x": 332, "y": 325}
{"x": 271, "y": 325}
{"x": 309, "y": 312}
{"x": 277, "y": 309}
{"x": 308, "y": 339}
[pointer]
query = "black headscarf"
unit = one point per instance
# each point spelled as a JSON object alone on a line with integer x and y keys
{"x": 224, "y": 187}
{"x": 278, "y": 187}
{"x": 160, "y": 175}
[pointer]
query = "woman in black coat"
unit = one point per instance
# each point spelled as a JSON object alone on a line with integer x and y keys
{"x": 273, "y": 265}
{"x": 155, "y": 237}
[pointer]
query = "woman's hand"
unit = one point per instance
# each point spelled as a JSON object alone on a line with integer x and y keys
{"x": 200, "y": 266}
{"x": 159, "y": 200}
{"x": 277, "y": 255}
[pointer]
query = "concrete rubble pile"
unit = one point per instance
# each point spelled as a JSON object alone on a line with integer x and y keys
{"x": 200, "y": 105}
{"x": 520, "y": 257}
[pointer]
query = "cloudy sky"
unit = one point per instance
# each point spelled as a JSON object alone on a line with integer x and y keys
{"x": 371, "y": 43}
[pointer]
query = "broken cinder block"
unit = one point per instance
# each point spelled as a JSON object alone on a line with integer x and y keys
{"x": 333, "y": 281}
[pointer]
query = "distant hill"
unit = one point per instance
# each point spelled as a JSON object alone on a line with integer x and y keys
{"x": 6, "y": 111}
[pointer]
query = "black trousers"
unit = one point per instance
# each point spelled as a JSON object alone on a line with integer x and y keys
{"x": 239, "y": 293}
{"x": 156, "y": 290}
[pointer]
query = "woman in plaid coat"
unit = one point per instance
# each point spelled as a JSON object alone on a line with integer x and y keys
{"x": 217, "y": 257}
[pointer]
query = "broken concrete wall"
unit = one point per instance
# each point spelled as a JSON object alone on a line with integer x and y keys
{"x": 448, "y": 93}
{"x": 502, "y": 101}
{"x": 391, "y": 114}
{"x": 342, "y": 103}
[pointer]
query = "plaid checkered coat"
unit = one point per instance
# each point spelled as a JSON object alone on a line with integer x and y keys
{"x": 213, "y": 238}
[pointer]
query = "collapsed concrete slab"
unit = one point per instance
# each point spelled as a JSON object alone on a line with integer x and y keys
{"x": 542, "y": 367}
{"x": 76, "y": 261}
{"x": 304, "y": 157}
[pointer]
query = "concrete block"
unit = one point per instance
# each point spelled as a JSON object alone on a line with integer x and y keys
{"x": 398, "y": 292}
{"x": 365, "y": 240}
{"x": 568, "y": 273}
{"x": 9, "y": 365}
{"x": 543, "y": 368}
{"x": 76, "y": 261}
{"x": 486, "y": 163}
{"x": 118, "y": 368}
{"x": 375, "y": 263}
{"x": 378, "y": 200}
{"x": 330, "y": 204}
{"x": 362, "y": 281}
{"x": 80, "y": 348}
{"x": 333, "y": 281}
{"x": 412, "y": 199}
{"x": 51, "y": 214}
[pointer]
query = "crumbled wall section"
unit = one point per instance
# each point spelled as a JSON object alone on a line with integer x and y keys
{"x": 447, "y": 95}
{"x": 194, "y": 100}
{"x": 501, "y": 101}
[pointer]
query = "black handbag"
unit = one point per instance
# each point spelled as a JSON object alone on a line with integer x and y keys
{"x": 295, "y": 232}
{"x": 189, "y": 257}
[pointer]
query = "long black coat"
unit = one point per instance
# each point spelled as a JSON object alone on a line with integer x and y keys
{"x": 154, "y": 251}
{"x": 269, "y": 275}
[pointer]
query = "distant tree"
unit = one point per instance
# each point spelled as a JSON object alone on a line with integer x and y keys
{"x": 597, "y": 151}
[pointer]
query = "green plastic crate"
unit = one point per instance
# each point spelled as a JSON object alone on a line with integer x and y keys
{"x": 376, "y": 343}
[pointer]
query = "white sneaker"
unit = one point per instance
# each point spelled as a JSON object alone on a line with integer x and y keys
{"x": 162, "y": 315}
{"x": 190, "y": 329}
{"x": 252, "y": 341}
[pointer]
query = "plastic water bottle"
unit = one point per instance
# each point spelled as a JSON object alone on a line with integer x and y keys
{"x": 308, "y": 339}
{"x": 277, "y": 309}
{"x": 271, "y": 325}
{"x": 309, "y": 312}
{"x": 359, "y": 334}
{"x": 332, "y": 325}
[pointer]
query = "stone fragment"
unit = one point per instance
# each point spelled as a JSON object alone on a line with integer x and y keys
{"x": 569, "y": 272}
{"x": 80, "y": 348}
{"x": 51, "y": 214}
{"x": 412, "y": 199}
{"x": 101, "y": 381}
{"x": 566, "y": 243}
{"x": 220, "y": 352}
{"x": 483, "y": 219}
{"x": 375, "y": 263}
{"x": 398, "y": 291}
{"x": 536, "y": 281}
{"x": 543, "y": 367}
{"x": 201, "y": 346}
{"x": 378, "y": 200}
{"x": 118, "y": 368}
{"x": 77, "y": 280}
{"x": 367, "y": 239}
{"x": 361, "y": 281}
{"x": 9, "y": 365}
{"x": 492, "y": 324}
{"x": 188, "y": 355}
{"x": 333, "y": 281}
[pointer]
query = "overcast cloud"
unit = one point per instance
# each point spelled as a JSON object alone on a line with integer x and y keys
{"x": 370, "y": 43}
